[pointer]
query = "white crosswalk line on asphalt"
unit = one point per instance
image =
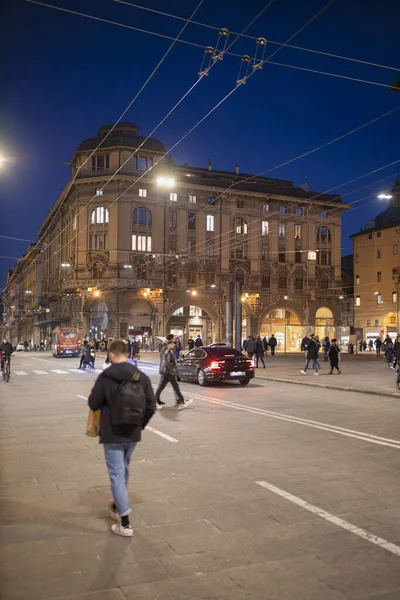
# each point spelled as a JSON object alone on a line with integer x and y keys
{"x": 76, "y": 370}
{"x": 59, "y": 371}
{"x": 41, "y": 372}
{"x": 20, "y": 373}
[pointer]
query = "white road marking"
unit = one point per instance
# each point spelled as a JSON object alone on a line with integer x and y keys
{"x": 20, "y": 373}
{"x": 360, "y": 435}
{"x": 41, "y": 372}
{"x": 59, "y": 371}
{"x": 161, "y": 434}
{"x": 363, "y": 533}
{"x": 75, "y": 370}
{"x": 43, "y": 360}
{"x": 156, "y": 431}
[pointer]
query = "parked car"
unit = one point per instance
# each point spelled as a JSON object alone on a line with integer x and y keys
{"x": 19, "y": 347}
{"x": 212, "y": 364}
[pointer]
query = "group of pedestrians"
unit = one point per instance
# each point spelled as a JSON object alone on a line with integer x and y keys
{"x": 311, "y": 345}
{"x": 88, "y": 356}
{"x": 257, "y": 348}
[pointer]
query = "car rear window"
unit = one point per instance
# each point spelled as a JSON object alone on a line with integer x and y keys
{"x": 221, "y": 352}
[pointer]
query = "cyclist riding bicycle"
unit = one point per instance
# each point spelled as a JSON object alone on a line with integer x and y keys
{"x": 6, "y": 350}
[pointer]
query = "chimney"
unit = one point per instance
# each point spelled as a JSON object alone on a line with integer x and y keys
{"x": 237, "y": 169}
{"x": 209, "y": 164}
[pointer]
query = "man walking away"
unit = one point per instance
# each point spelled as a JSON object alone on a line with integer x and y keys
{"x": 259, "y": 352}
{"x": 168, "y": 375}
{"x": 272, "y": 342}
{"x": 304, "y": 343}
{"x": 370, "y": 345}
{"x": 250, "y": 346}
{"x": 199, "y": 342}
{"x": 334, "y": 355}
{"x": 326, "y": 345}
{"x": 312, "y": 354}
{"x": 378, "y": 346}
{"x": 135, "y": 352}
{"x": 126, "y": 400}
{"x": 265, "y": 345}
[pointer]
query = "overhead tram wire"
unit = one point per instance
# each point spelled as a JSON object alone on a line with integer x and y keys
{"x": 160, "y": 35}
{"x": 179, "y": 141}
{"x": 118, "y": 120}
{"x": 269, "y": 41}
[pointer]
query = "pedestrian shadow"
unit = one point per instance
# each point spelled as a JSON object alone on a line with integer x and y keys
{"x": 170, "y": 413}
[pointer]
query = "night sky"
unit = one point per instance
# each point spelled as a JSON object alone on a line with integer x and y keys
{"x": 65, "y": 75}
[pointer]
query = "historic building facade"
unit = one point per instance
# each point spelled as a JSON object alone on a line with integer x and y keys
{"x": 376, "y": 258}
{"x": 137, "y": 245}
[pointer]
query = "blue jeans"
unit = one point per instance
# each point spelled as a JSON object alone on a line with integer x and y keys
{"x": 316, "y": 364}
{"x": 118, "y": 457}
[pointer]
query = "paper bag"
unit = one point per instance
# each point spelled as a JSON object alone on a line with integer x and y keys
{"x": 93, "y": 423}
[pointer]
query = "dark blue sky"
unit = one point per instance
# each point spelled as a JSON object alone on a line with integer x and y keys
{"x": 66, "y": 75}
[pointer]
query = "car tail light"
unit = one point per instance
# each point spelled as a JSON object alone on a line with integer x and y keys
{"x": 215, "y": 365}
{"x": 250, "y": 363}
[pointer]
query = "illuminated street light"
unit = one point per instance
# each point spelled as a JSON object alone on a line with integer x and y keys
{"x": 167, "y": 182}
{"x": 384, "y": 196}
{"x": 2, "y": 160}
{"x": 194, "y": 293}
{"x": 127, "y": 266}
{"x": 213, "y": 285}
{"x": 96, "y": 293}
{"x": 341, "y": 297}
{"x": 65, "y": 265}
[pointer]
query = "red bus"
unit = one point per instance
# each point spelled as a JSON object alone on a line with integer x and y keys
{"x": 66, "y": 341}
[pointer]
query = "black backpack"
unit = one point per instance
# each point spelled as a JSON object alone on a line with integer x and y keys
{"x": 129, "y": 404}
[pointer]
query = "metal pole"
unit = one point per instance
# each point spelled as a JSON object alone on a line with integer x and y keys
{"x": 229, "y": 315}
{"x": 238, "y": 319}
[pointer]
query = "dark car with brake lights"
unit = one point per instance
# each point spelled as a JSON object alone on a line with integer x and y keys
{"x": 213, "y": 364}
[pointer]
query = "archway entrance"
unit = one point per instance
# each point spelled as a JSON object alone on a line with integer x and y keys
{"x": 324, "y": 323}
{"x": 98, "y": 320}
{"x": 286, "y": 327}
{"x": 190, "y": 322}
{"x": 140, "y": 326}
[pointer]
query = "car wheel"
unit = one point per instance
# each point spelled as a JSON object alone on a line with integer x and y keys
{"x": 201, "y": 378}
{"x": 244, "y": 381}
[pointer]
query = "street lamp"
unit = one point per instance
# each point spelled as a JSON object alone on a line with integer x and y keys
{"x": 385, "y": 196}
{"x": 165, "y": 182}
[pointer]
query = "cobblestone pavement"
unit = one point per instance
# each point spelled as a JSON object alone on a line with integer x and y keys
{"x": 272, "y": 492}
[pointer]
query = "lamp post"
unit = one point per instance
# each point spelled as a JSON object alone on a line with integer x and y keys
{"x": 165, "y": 183}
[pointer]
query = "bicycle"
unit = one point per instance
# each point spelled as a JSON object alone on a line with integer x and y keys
{"x": 6, "y": 368}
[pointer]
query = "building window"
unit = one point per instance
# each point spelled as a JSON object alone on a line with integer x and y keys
{"x": 178, "y": 312}
{"x": 368, "y": 322}
{"x": 240, "y": 226}
{"x": 394, "y": 297}
{"x": 324, "y": 258}
{"x": 378, "y": 253}
{"x": 324, "y": 214}
{"x": 239, "y": 203}
{"x": 323, "y": 234}
{"x": 191, "y": 247}
{"x": 324, "y": 283}
{"x": 378, "y": 233}
{"x": 98, "y": 241}
{"x": 357, "y": 258}
{"x": 370, "y": 236}
{"x": 211, "y": 200}
{"x": 173, "y": 196}
{"x": 173, "y": 219}
{"x": 264, "y": 228}
{"x": 298, "y": 232}
{"x": 210, "y": 248}
{"x": 281, "y": 230}
{"x": 191, "y": 277}
{"x": 99, "y": 192}
{"x": 395, "y": 250}
{"x": 209, "y": 222}
{"x": 282, "y": 283}
{"x": 265, "y": 207}
{"x": 379, "y": 276}
{"x": 100, "y": 162}
{"x": 192, "y": 199}
{"x": 142, "y": 193}
{"x": 298, "y": 283}
{"x": 210, "y": 278}
{"x": 192, "y": 221}
{"x": 283, "y": 210}
{"x": 195, "y": 311}
{"x": 141, "y": 243}
{"x": 74, "y": 223}
{"x": 264, "y": 252}
{"x": 297, "y": 256}
{"x": 141, "y": 216}
{"x": 100, "y": 215}
{"x": 358, "y": 301}
{"x": 173, "y": 245}
{"x": 299, "y": 212}
{"x": 172, "y": 277}
{"x": 142, "y": 163}
{"x": 265, "y": 281}
{"x": 282, "y": 255}
{"x": 379, "y": 299}
{"x": 357, "y": 280}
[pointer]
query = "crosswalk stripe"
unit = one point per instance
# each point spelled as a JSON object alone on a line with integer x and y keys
{"x": 59, "y": 371}
{"x": 75, "y": 370}
{"x": 41, "y": 372}
{"x": 20, "y": 373}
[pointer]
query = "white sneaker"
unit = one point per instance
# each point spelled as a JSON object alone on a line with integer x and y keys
{"x": 303, "y": 372}
{"x": 122, "y": 531}
{"x": 316, "y": 374}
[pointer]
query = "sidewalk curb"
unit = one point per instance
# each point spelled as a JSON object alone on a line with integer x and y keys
{"x": 331, "y": 387}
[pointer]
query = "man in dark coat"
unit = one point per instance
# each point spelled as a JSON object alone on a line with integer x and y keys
{"x": 272, "y": 342}
{"x": 199, "y": 342}
{"x": 334, "y": 355}
{"x": 119, "y": 441}
{"x": 312, "y": 354}
{"x": 190, "y": 343}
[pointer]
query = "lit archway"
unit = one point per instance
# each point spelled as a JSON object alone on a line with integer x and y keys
{"x": 191, "y": 320}
{"x": 98, "y": 319}
{"x": 140, "y": 324}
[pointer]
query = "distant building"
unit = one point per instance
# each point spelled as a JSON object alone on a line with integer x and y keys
{"x": 376, "y": 262}
{"x": 151, "y": 251}
{"x": 347, "y": 298}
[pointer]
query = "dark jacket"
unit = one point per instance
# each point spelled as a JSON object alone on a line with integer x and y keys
{"x": 312, "y": 349}
{"x": 102, "y": 396}
{"x": 6, "y": 348}
{"x": 250, "y": 345}
{"x": 272, "y": 341}
{"x": 168, "y": 363}
{"x": 265, "y": 344}
{"x": 333, "y": 354}
{"x": 259, "y": 348}
{"x": 199, "y": 343}
{"x": 304, "y": 343}
{"x": 190, "y": 344}
{"x": 389, "y": 352}
{"x": 396, "y": 348}
{"x": 135, "y": 348}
